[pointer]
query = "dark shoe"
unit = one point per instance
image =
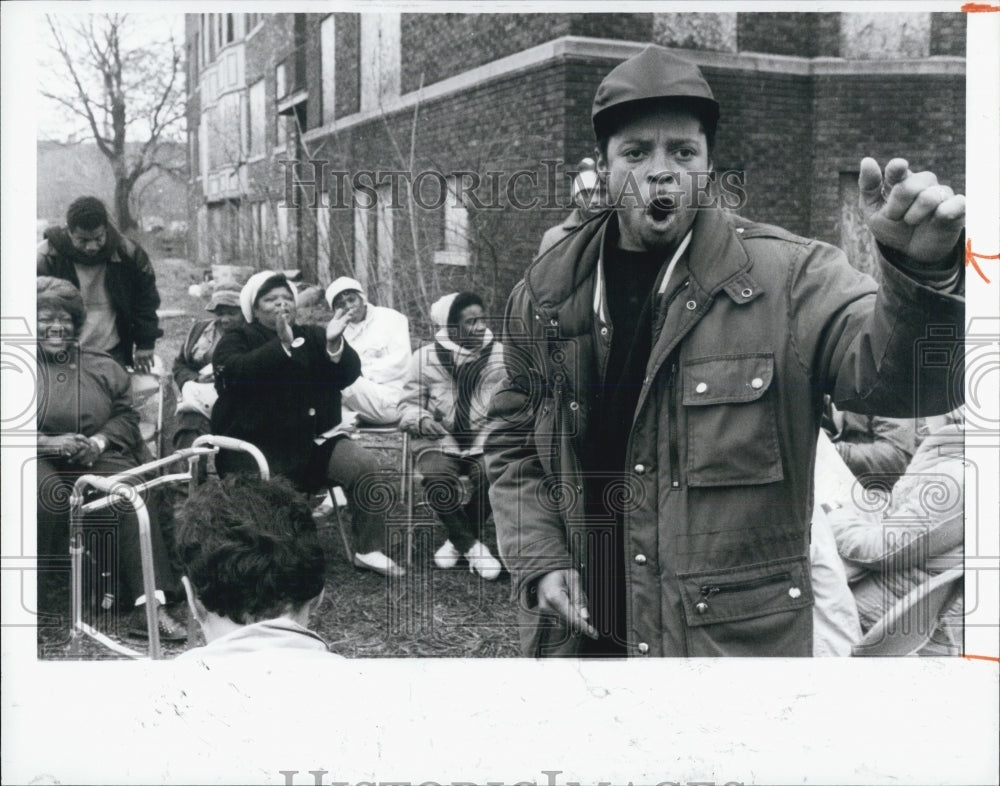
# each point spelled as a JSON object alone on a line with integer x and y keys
{"x": 172, "y": 624}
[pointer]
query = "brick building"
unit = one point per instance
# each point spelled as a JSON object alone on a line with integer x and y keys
{"x": 456, "y": 96}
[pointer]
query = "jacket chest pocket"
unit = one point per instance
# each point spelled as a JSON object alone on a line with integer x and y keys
{"x": 732, "y": 431}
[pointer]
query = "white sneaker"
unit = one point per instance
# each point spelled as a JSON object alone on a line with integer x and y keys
{"x": 379, "y": 562}
{"x": 482, "y": 561}
{"x": 447, "y": 556}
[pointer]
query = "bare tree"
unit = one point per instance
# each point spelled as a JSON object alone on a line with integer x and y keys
{"x": 127, "y": 93}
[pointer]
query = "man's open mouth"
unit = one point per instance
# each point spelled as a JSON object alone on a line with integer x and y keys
{"x": 660, "y": 208}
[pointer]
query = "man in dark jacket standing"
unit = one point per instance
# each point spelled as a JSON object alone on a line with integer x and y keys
{"x": 651, "y": 451}
{"x": 114, "y": 276}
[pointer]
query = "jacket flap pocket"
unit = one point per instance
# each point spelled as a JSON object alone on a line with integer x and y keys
{"x": 727, "y": 379}
{"x": 746, "y": 592}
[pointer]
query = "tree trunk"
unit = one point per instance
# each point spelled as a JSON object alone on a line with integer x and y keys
{"x": 123, "y": 213}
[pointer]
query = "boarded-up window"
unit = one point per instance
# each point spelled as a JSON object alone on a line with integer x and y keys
{"x": 855, "y": 237}
{"x": 455, "y": 238}
{"x": 380, "y": 59}
{"x": 328, "y": 64}
{"x": 258, "y": 119}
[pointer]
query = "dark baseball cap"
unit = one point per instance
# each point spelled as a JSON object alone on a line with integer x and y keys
{"x": 652, "y": 75}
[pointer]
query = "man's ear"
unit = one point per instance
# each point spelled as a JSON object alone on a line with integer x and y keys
{"x": 198, "y": 611}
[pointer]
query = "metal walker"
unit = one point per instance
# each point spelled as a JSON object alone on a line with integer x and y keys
{"x": 120, "y": 489}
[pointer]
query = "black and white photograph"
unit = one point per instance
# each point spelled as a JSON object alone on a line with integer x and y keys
{"x": 406, "y": 376}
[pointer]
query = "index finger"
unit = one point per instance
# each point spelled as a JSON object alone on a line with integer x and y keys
{"x": 572, "y": 610}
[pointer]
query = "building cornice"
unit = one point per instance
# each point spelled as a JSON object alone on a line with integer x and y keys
{"x": 615, "y": 51}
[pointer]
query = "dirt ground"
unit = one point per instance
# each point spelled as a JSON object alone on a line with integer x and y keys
{"x": 430, "y": 612}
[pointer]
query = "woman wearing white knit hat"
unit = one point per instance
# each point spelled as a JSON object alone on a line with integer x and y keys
{"x": 279, "y": 387}
{"x": 381, "y": 337}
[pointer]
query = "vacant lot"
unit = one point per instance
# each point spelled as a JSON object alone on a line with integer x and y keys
{"x": 428, "y": 613}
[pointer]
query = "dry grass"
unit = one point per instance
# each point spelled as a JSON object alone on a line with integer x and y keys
{"x": 428, "y": 613}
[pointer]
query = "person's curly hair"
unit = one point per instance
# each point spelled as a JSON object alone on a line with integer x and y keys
{"x": 249, "y": 548}
{"x": 58, "y": 294}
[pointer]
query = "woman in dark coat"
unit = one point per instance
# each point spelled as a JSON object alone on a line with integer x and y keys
{"x": 279, "y": 388}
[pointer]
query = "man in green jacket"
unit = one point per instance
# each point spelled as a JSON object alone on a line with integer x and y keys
{"x": 651, "y": 451}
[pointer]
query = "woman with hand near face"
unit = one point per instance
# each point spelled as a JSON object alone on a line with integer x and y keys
{"x": 86, "y": 425}
{"x": 279, "y": 388}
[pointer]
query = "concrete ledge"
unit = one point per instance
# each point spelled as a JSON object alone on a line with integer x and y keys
{"x": 614, "y": 51}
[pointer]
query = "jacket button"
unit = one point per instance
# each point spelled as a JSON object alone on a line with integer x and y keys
{"x": 701, "y": 387}
{"x": 574, "y": 406}
{"x": 794, "y": 592}
{"x": 701, "y": 607}
{"x": 756, "y": 383}
{"x": 604, "y": 331}
{"x": 640, "y": 559}
{"x": 643, "y": 648}
{"x": 312, "y": 412}
{"x": 691, "y": 305}
{"x": 640, "y": 469}
{"x": 554, "y": 322}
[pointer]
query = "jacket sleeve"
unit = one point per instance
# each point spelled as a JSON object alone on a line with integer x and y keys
{"x": 43, "y": 266}
{"x": 531, "y": 534}
{"x": 122, "y": 426}
{"x": 346, "y": 370}
{"x": 889, "y": 453}
{"x": 146, "y": 324}
{"x": 183, "y": 369}
{"x": 235, "y": 360}
{"x": 870, "y": 346}
{"x": 412, "y": 404}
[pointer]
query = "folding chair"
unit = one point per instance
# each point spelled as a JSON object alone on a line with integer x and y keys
{"x": 911, "y": 621}
{"x": 145, "y": 387}
{"x": 119, "y": 489}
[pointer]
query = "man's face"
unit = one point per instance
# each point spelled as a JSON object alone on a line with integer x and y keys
{"x": 352, "y": 301}
{"x": 649, "y": 166}
{"x": 471, "y": 326}
{"x": 89, "y": 242}
{"x": 228, "y": 315}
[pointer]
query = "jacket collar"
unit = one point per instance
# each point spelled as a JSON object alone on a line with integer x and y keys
{"x": 59, "y": 240}
{"x": 716, "y": 261}
{"x": 460, "y": 354}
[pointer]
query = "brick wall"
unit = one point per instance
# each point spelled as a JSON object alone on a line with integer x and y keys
{"x": 765, "y": 130}
{"x": 627, "y": 27}
{"x": 948, "y": 34}
{"x": 922, "y": 120}
{"x": 778, "y": 33}
{"x": 441, "y": 45}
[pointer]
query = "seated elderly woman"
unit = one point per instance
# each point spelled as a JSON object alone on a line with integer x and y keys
{"x": 86, "y": 425}
{"x": 279, "y": 388}
{"x": 253, "y": 567}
